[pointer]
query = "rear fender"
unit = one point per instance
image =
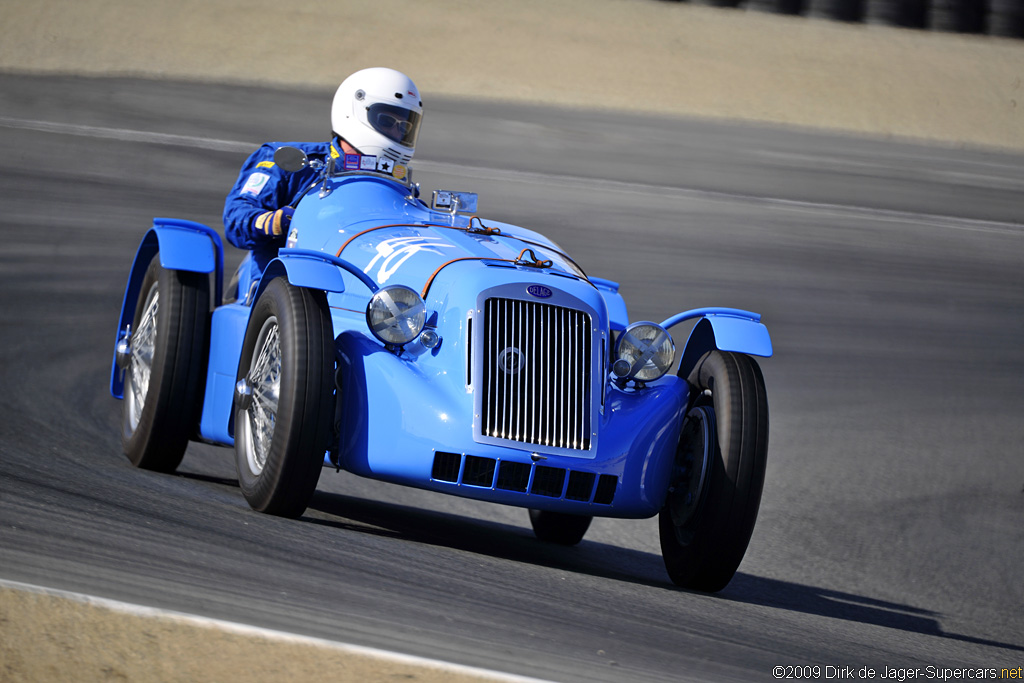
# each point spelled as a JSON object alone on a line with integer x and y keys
{"x": 182, "y": 245}
{"x": 725, "y": 329}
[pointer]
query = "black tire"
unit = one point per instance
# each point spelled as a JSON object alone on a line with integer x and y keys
{"x": 559, "y": 527}
{"x": 906, "y": 13}
{"x": 960, "y": 16}
{"x": 840, "y": 10}
{"x": 779, "y": 6}
{"x": 162, "y": 400}
{"x": 710, "y": 512}
{"x": 279, "y": 448}
{"x": 1006, "y": 18}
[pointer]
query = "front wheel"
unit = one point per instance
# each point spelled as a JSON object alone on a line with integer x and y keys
{"x": 719, "y": 473}
{"x": 559, "y": 527}
{"x": 283, "y": 408}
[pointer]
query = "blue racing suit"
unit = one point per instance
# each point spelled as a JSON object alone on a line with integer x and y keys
{"x": 262, "y": 186}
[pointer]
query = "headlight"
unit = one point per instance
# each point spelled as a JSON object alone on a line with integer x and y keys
{"x": 396, "y": 314}
{"x": 645, "y": 352}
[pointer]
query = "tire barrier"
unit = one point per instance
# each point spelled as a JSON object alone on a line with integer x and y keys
{"x": 960, "y": 16}
{"x": 777, "y": 6}
{"x": 1006, "y": 18}
{"x": 1003, "y": 18}
{"x": 839, "y": 10}
{"x": 907, "y": 13}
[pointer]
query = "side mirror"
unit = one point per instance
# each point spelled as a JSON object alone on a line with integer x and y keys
{"x": 291, "y": 159}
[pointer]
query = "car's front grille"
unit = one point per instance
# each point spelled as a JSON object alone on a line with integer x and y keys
{"x": 536, "y": 374}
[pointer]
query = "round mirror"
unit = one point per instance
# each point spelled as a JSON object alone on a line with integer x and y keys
{"x": 291, "y": 158}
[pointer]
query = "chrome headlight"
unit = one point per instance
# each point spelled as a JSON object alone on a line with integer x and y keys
{"x": 396, "y": 314}
{"x": 645, "y": 353}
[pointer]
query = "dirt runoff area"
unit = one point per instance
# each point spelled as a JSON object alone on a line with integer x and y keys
{"x": 640, "y": 55}
{"x": 50, "y": 636}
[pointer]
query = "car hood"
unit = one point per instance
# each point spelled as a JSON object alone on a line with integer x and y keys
{"x": 374, "y": 225}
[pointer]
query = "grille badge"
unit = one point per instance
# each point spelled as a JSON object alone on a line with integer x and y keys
{"x": 539, "y": 291}
{"x": 511, "y": 360}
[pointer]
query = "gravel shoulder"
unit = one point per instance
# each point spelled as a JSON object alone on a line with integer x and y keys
{"x": 634, "y": 55}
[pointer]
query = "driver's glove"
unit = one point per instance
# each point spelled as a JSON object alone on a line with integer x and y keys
{"x": 274, "y": 223}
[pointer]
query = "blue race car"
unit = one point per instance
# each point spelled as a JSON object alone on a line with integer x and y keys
{"x": 422, "y": 345}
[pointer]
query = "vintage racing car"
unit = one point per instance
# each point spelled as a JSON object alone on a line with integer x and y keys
{"x": 419, "y": 344}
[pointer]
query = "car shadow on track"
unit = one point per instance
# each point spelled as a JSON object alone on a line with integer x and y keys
{"x": 517, "y": 544}
{"x": 482, "y": 537}
{"x": 797, "y": 597}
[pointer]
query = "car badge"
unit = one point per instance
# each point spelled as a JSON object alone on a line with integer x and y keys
{"x": 539, "y": 291}
{"x": 511, "y": 360}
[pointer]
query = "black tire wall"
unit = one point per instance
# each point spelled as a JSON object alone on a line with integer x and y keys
{"x": 840, "y": 10}
{"x": 1004, "y": 18}
{"x": 906, "y": 13}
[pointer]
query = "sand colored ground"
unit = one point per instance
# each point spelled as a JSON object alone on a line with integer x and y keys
{"x": 649, "y": 55}
{"x": 49, "y": 638}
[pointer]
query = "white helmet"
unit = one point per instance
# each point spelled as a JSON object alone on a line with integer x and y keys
{"x": 378, "y": 112}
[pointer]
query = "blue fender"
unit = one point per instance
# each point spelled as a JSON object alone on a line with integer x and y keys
{"x": 301, "y": 268}
{"x": 725, "y": 329}
{"x": 311, "y": 269}
{"x": 181, "y": 245}
{"x": 618, "y": 318}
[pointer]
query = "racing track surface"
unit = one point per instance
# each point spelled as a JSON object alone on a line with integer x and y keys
{"x": 890, "y": 275}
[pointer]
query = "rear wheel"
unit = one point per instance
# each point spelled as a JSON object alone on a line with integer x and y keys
{"x": 719, "y": 473}
{"x": 558, "y": 527}
{"x": 283, "y": 399}
{"x": 163, "y": 376}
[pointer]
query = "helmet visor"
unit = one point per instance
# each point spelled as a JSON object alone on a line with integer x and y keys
{"x": 397, "y": 123}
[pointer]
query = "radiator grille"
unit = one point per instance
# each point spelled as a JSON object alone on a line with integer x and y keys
{"x": 536, "y": 374}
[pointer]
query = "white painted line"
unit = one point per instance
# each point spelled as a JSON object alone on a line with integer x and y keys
{"x": 578, "y": 182}
{"x": 280, "y": 636}
{"x": 127, "y": 135}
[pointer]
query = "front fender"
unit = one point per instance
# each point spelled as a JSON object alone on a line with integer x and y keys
{"x": 311, "y": 269}
{"x": 724, "y": 329}
{"x": 182, "y": 245}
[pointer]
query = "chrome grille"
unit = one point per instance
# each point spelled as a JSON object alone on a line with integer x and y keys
{"x": 536, "y": 374}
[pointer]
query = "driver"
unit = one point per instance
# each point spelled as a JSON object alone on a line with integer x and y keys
{"x": 375, "y": 119}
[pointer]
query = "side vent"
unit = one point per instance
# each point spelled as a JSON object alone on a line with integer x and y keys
{"x": 479, "y": 471}
{"x": 446, "y": 466}
{"x": 606, "y": 486}
{"x": 513, "y": 476}
{"x": 469, "y": 352}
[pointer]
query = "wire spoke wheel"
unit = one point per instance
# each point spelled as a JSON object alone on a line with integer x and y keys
{"x": 143, "y": 348}
{"x": 265, "y": 378}
{"x": 284, "y": 398}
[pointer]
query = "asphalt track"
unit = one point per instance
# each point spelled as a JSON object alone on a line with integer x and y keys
{"x": 891, "y": 276}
